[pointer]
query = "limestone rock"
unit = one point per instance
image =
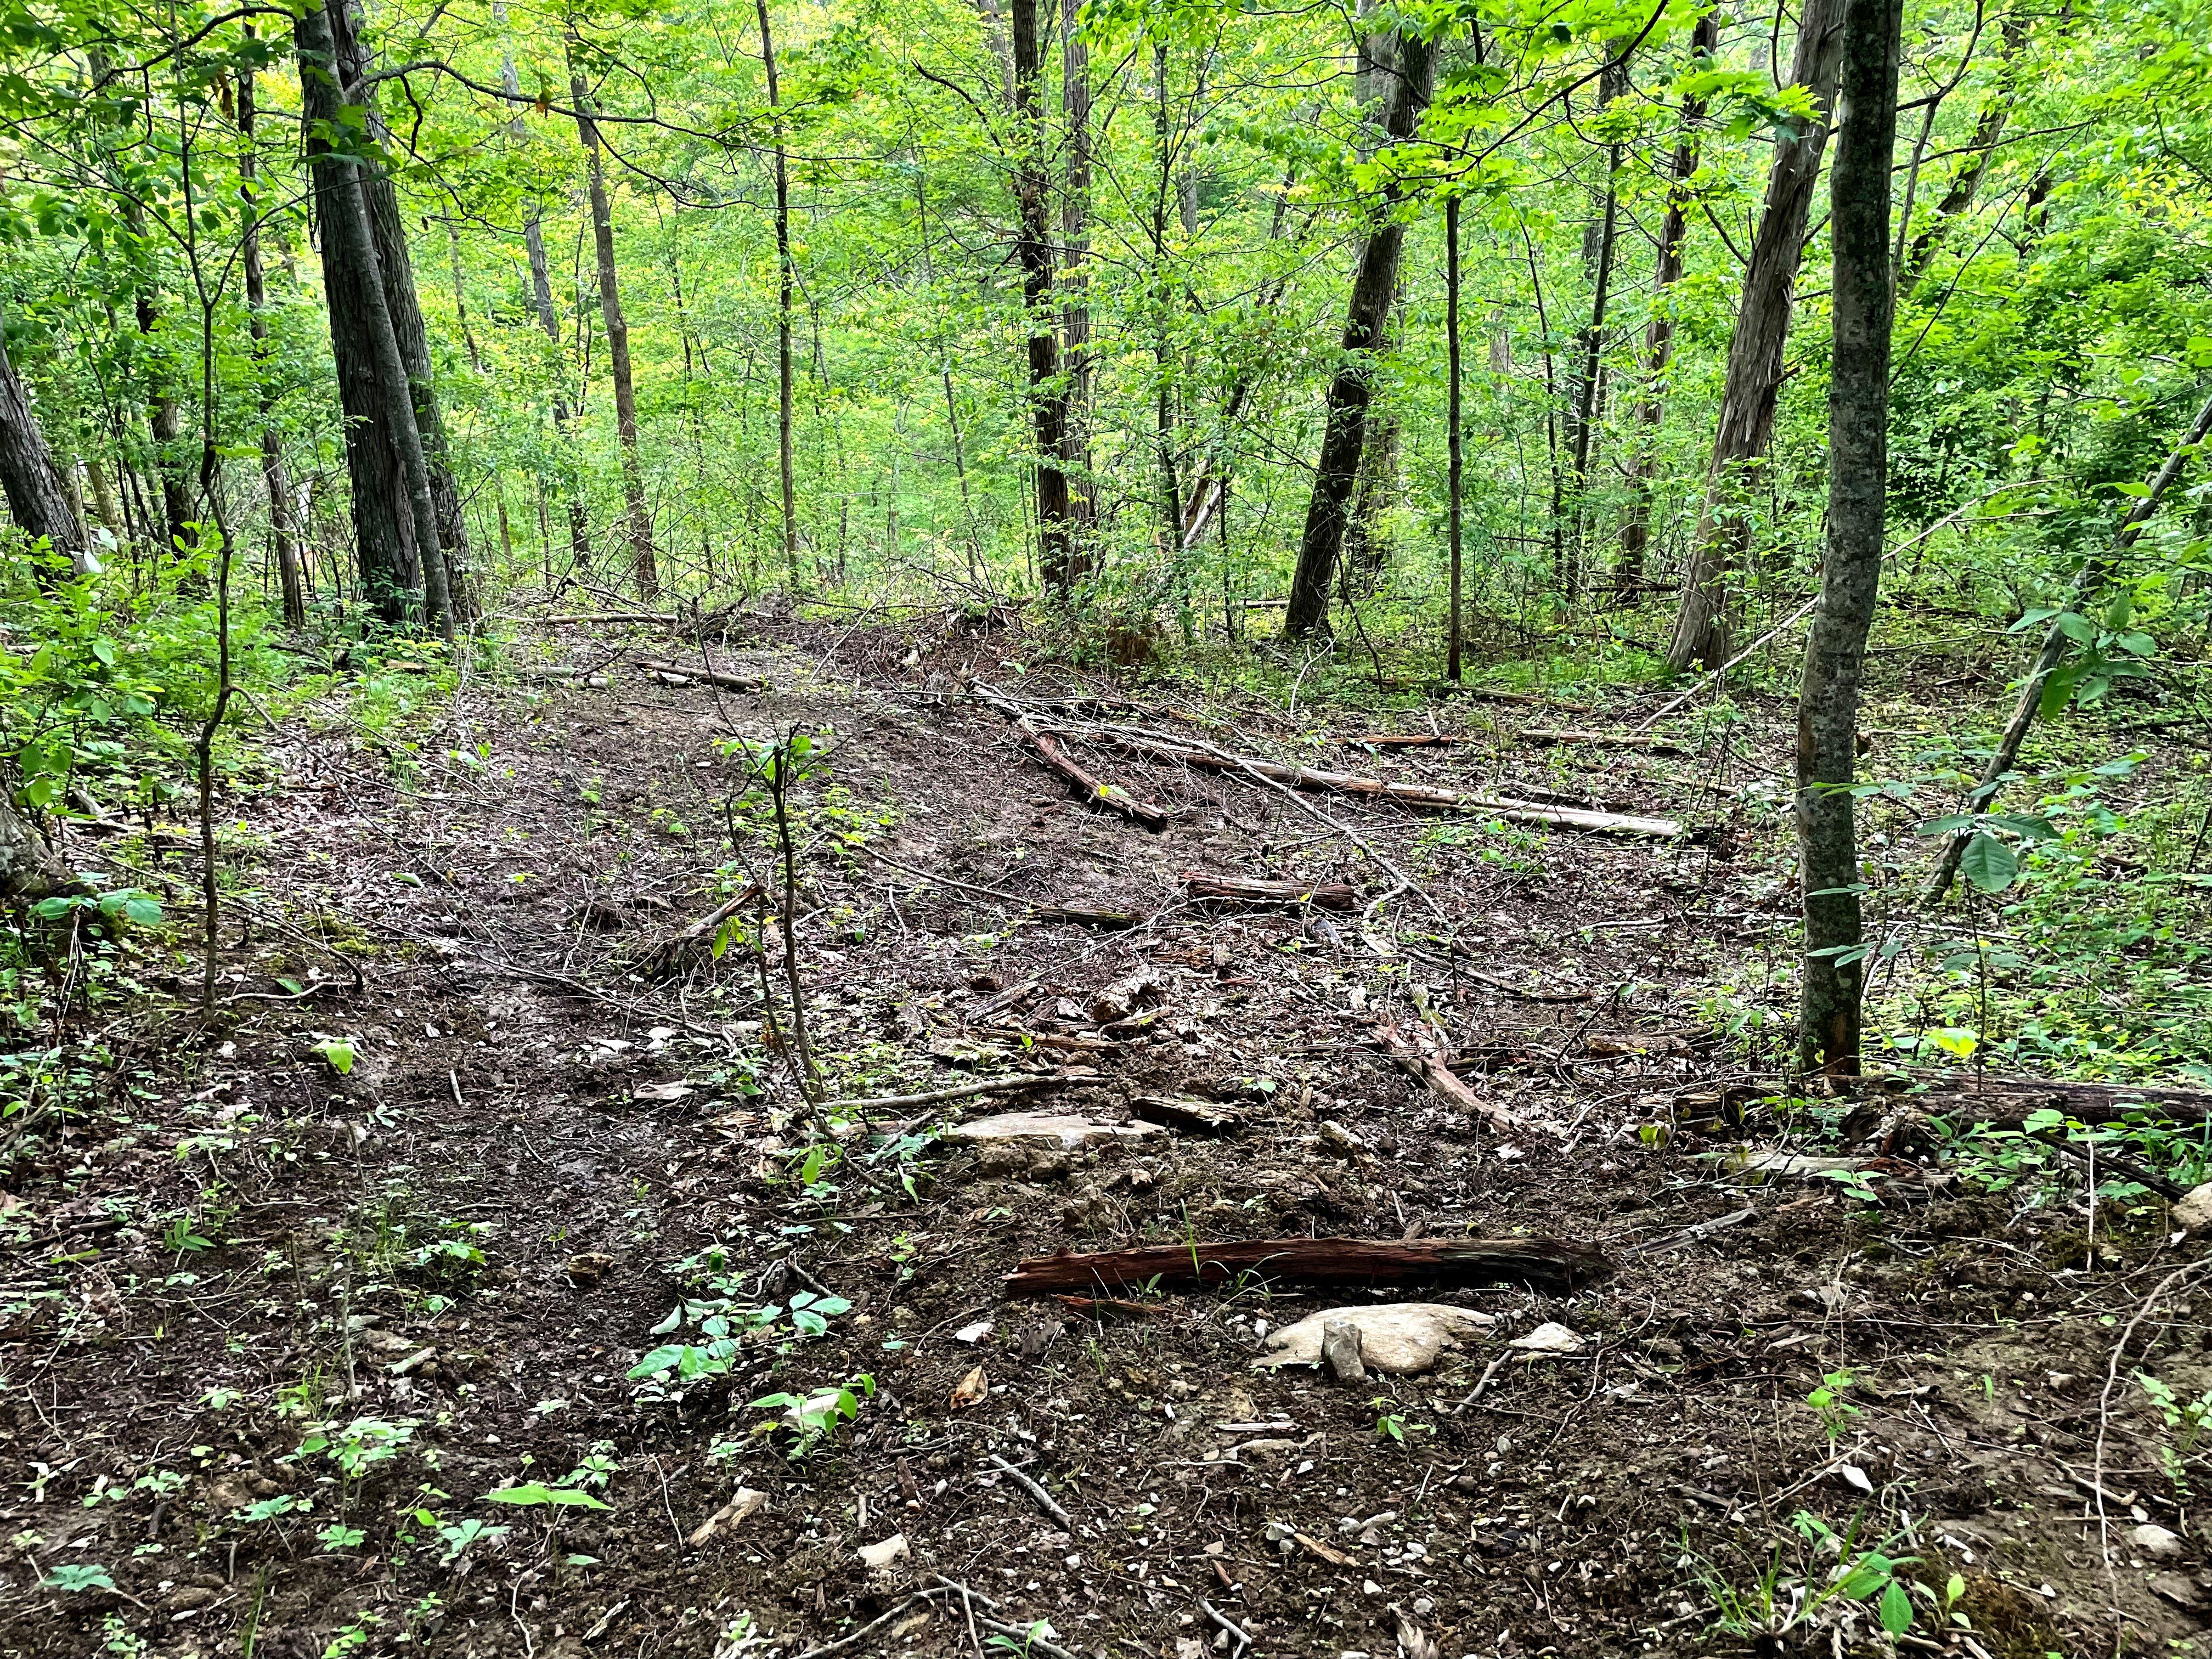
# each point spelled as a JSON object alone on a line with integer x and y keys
{"x": 1397, "y": 1338}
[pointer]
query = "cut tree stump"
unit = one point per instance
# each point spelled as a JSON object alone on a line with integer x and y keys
{"x": 1111, "y": 796}
{"x": 1253, "y": 890}
{"x": 1550, "y": 1264}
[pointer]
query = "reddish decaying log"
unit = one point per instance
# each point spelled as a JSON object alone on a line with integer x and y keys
{"x": 1109, "y": 795}
{"x": 1430, "y": 796}
{"x": 1253, "y": 890}
{"x": 1549, "y": 1263}
{"x": 1418, "y": 1055}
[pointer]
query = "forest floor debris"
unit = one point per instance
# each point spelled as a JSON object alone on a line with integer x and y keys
{"x": 545, "y": 1320}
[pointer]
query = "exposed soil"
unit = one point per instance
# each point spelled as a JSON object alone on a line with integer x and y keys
{"x": 512, "y": 1069}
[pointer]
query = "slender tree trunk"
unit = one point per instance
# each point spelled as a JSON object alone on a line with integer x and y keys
{"x": 445, "y": 578}
{"x": 642, "y": 566}
{"x": 783, "y": 300}
{"x": 1850, "y": 571}
{"x": 1659, "y": 332}
{"x": 164, "y": 416}
{"x": 281, "y": 537}
{"x": 548, "y": 319}
{"x": 1452, "y": 422}
{"x": 475, "y": 363}
{"x": 1754, "y": 385}
{"x": 1343, "y": 428}
{"x": 2091, "y": 577}
{"x": 1075, "y": 248}
{"x": 37, "y": 498}
{"x": 1060, "y": 563}
{"x": 1170, "y": 488}
{"x": 1612, "y": 83}
{"x": 395, "y": 525}
{"x": 1981, "y": 148}
{"x": 1558, "y": 516}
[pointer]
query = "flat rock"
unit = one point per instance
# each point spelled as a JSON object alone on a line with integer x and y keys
{"x": 2192, "y": 1213}
{"x": 1063, "y": 1129}
{"x": 2154, "y": 1540}
{"x": 1398, "y": 1338}
{"x": 1550, "y": 1337}
{"x": 876, "y": 1557}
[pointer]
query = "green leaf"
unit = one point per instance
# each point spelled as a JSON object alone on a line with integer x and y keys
{"x": 1989, "y": 864}
{"x": 2074, "y": 626}
{"x": 338, "y": 1052}
{"x": 1896, "y": 1612}
{"x": 76, "y": 1577}
{"x": 538, "y": 1493}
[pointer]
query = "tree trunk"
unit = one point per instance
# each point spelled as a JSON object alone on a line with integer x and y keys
{"x": 1171, "y": 487}
{"x": 1967, "y": 180}
{"x": 2086, "y": 582}
{"x": 1850, "y": 572}
{"x": 541, "y": 293}
{"x": 1754, "y": 385}
{"x": 643, "y": 567}
{"x": 1659, "y": 332}
{"x": 444, "y": 581}
{"x": 164, "y": 418}
{"x": 1612, "y": 83}
{"x": 475, "y": 363}
{"x": 29, "y": 871}
{"x": 1060, "y": 563}
{"x": 784, "y": 284}
{"x": 1075, "y": 246}
{"x": 1452, "y": 423}
{"x": 395, "y": 523}
{"x": 281, "y": 540}
{"x": 37, "y": 498}
{"x": 1343, "y": 428}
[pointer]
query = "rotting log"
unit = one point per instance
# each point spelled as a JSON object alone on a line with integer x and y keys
{"x": 1550, "y": 1264}
{"x": 705, "y": 676}
{"x": 1188, "y": 1112}
{"x": 1253, "y": 890}
{"x": 1429, "y": 797}
{"x": 1551, "y": 737}
{"x": 1111, "y": 796}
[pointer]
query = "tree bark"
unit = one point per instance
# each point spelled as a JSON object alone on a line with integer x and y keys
{"x": 29, "y": 871}
{"x": 783, "y": 295}
{"x": 444, "y": 582}
{"x": 1060, "y": 563}
{"x": 281, "y": 540}
{"x": 1344, "y": 428}
{"x": 1850, "y": 572}
{"x": 643, "y": 567}
{"x": 1452, "y": 425}
{"x": 395, "y": 523}
{"x": 1754, "y": 385}
{"x": 37, "y": 498}
{"x": 1612, "y": 83}
{"x": 1659, "y": 332}
{"x": 1075, "y": 246}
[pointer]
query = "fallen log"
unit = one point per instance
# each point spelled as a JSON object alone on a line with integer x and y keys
{"x": 998, "y": 1086}
{"x": 1548, "y": 1263}
{"x": 1188, "y": 1111}
{"x": 574, "y": 618}
{"x": 1111, "y": 796}
{"x": 1550, "y": 738}
{"x": 1411, "y": 739}
{"x": 1253, "y": 890}
{"x": 1430, "y": 796}
{"x": 1090, "y": 915}
{"x": 1417, "y": 1056}
{"x": 705, "y": 676}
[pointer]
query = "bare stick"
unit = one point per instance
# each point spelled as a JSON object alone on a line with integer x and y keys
{"x": 1037, "y": 1494}
{"x": 930, "y": 1098}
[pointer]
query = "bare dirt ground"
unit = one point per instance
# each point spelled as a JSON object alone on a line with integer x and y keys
{"x": 233, "y": 1256}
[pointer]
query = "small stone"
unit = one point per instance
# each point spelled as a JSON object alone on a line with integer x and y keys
{"x": 588, "y": 1268}
{"x": 1345, "y": 1143}
{"x": 1339, "y": 1349}
{"x": 876, "y": 1557}
{"x": 1551, "y": 1337}
{"x": 2151, "y": 1538}
{"x": 971, "y": 1334}
{"x": 2193, "y": 1213}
